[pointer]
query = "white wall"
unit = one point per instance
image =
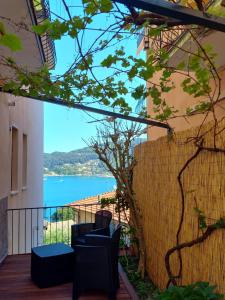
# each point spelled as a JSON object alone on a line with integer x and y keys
{"x": 27, "y": 116}
{"x": 4, "y": 147}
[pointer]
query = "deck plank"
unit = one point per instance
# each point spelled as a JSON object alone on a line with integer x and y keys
{"x": 16, "y": 284}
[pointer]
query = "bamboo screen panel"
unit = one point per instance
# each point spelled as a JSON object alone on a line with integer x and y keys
{"x": 157, "y": 192}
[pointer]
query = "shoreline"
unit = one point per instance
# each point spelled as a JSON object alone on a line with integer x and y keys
{"x": 79, "y": 175}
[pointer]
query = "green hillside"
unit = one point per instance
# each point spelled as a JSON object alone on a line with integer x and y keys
{"x": 77, "y": 156}
{"x": 77, "y": 162}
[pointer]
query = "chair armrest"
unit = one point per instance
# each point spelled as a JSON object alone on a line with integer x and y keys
{"x": 101, "y": 231}
{"x": 97, "y": 240}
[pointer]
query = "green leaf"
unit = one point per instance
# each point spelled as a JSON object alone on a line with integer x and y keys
{"x": 120, "y": 52}
{"x": 139, "y": 92}
{"x": 78, "y": 23}
{"x": 147, "y": 72}
{"x": 155, "y": 94}
{"x": 11, "y": 41}
{"x": 91, "y": 7}
{"x": 154, "y": 32}
{"x": 42, "y": 28}
{"x": 195, "y": 291}
{"x": 105, "y": 5}
{"x": 58, "y": 29}
{"x": 132, "y": 73}
{"x": 166, "y": 74}
{"x": 108, "y": 61}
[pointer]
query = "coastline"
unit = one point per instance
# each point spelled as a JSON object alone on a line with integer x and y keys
{"x": 78, "y": 175}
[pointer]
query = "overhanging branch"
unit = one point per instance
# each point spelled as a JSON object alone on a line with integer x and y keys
{"x": 104, "y": 112}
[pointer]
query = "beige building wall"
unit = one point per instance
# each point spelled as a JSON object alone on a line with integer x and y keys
{"x": 181, "y": 100}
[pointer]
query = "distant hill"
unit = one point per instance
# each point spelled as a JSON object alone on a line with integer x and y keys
{"x": 77, "y": 162}
{"x": 73, "y": 157}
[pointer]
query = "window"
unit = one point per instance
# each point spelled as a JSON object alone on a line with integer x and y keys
{"x": 14, "y": 160}
{"x": 24, "y": 160}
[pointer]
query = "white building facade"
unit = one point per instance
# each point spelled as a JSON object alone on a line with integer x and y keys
{"x": 21, "y": 132}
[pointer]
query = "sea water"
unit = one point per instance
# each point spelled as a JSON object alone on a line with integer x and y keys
{"x": 61, "y": 190}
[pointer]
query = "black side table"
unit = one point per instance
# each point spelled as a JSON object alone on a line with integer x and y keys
{"x": 52, "y": 264}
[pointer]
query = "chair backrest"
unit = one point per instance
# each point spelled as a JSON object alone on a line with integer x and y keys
{"x": 102, "y": 219}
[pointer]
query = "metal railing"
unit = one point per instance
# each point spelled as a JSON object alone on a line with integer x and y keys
{"x": 42, "y": 12}
{"x": 36, "y": 226}
{"x": 167, "y": 38}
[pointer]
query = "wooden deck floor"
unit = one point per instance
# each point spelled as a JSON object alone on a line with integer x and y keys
{"x": 15, "y": 284}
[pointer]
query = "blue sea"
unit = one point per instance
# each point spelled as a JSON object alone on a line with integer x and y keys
{"x": 61, "y": 190}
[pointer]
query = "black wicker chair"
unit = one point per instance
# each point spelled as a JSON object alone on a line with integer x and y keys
{"x": 96, "y": 265}
{"x": 99, "y": 227}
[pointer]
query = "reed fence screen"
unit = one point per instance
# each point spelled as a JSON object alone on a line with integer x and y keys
{"x": 159, "y": 199}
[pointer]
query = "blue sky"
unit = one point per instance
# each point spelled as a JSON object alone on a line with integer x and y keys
{"x": 66, "y": 129}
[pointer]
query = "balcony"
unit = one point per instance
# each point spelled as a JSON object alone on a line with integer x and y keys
{"x": 41, "y": 11}
{"x": 167, "y": 39}
{"x": 21, "y": 15}
{"x": 30, "y": 227}
{"x": 178, "y": 43}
